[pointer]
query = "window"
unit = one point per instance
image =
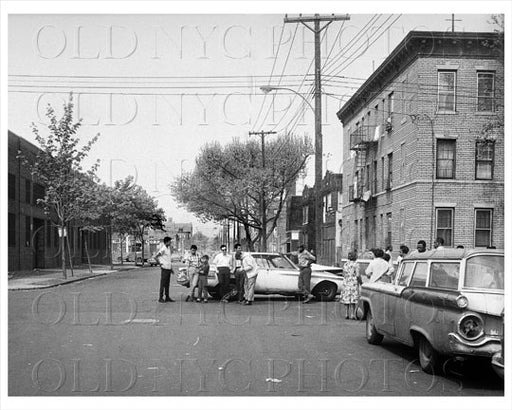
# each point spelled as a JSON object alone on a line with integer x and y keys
{"x": 391, "y": 103}
{"x": 39, "y": 193}
{"x": 28, "y": 232}
{"x": 485, "y": 93}
{"x": 484, "y": 160}
{"x": 375, "y": 171}
{"x": 419, "y": 277}
{"x": 445, "y": 161}
{"x": 12, "y": 230}
{"x": 389, "y": 218}
{"x": 444, "y": 225}
{"x": 389, "y": 184}
{"x": 444, "y": 275}
{"x": 485, "y": 272}
{"x": 12, "y": 186}
{"x": 382, "y": 173}
{"x": 446, "y": 90}
{"x": 406, "y": 273}
{"x": 483, "y": 227}
{"x": 28, "y": 195}
{"x": 356, "y": 234}
{"x": 305, "y": 215}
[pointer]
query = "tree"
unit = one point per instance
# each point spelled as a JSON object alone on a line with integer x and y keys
{"x": 230, "y": 183}
{"x": 134, "y": 210}
{"x": 58, "y": 166}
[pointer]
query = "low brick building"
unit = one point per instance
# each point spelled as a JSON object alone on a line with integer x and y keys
{"x": 423, "y": 146}
{"x": 33, "y": 237}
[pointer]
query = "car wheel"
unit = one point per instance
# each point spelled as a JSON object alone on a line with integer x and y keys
{"x": 372, "y": 336}
{"x": 430, "y": 360}
{"x": 325, "y": 291}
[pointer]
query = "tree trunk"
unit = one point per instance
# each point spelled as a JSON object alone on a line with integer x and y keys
{"x": 63, "y": 251}
{"x": 142, "y": 246}
{"x": 250, "y": 242}
{"x": 87, "y": 254}
{"x": 70, "y": 256}
{"x": 121, "y": 237}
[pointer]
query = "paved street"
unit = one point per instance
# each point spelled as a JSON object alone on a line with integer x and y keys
{"x": 109, "y": 336}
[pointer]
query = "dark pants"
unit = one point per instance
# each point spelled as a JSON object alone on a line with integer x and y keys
{"x": 223, "y": 275}
{"x": 202, "y": 281}
{"x": 165, "y": 279}
{"x": 240, "y": 283}
{"x": 305, "y": 281}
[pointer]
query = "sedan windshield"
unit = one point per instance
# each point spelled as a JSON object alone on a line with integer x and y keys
{"x": 485, "y": 272}
{"x": 275, "y": 261}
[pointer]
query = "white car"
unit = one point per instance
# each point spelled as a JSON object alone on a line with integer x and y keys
{"x": 277, "y": 274}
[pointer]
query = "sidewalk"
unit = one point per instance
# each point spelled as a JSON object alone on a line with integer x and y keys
{"x": 49, "y": 278}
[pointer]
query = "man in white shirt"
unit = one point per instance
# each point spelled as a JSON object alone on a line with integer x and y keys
{"x": 378, "y": 267}
{"x": 223, "y": 261}
{"x": 249, "y": 270}
{"x": 163, "y": 258}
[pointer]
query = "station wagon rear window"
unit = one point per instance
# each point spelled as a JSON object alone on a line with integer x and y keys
{"x": 485, "y": 272}
{"x": 444, "y": 275}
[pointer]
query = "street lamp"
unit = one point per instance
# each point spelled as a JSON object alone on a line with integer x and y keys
{"x": 268, "y": 88}
{"x": 318, "y": 155}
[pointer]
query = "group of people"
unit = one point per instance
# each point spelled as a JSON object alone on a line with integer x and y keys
{"x": 242, "y": 264}
{"x": 381, "y": 268}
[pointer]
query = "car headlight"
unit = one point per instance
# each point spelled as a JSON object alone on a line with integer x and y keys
{"x": 471, "y": 327}
{"x": 462, "y": 302}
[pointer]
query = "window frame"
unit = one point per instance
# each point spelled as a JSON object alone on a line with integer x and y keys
{"x": 484, "y": 161}
{"x": 451, "y": 228}
{"x": 478, "y": 96}
{"x": 11, "y": 186}
{"x": 444, "y": 110}
{"x": 491, "y": 212}
{"x": 453, "y": 142}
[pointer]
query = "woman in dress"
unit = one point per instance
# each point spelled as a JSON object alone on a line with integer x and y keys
{"x": 350, "y": 293}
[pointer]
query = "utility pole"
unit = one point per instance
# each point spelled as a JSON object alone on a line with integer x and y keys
{"x": 316, "y": 29}
{"x": 263, "y": 205}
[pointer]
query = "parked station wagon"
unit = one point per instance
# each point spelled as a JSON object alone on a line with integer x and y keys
{"x": 447, "y": 303}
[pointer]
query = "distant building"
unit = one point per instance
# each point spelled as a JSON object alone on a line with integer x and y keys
{"x": 423, "y": 146}
{"x": 33, "y": 236}
{"x": 301, "y": 219}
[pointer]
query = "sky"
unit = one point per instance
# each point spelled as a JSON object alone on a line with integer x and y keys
{"x": 157, "y": 87}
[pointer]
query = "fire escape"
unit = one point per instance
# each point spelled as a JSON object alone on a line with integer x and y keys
{"x": 361, "y": 141}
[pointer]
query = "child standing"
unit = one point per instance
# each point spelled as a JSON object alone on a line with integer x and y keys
{"x": 202, "y": 281}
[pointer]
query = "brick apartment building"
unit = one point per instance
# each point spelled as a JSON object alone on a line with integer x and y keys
{"x": 33, "y": 238}
{"x": 423, "y": 146}
{"x": 300, "y": 219}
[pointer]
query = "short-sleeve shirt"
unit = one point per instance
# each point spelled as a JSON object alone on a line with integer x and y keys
{"x": 165, "y": 257}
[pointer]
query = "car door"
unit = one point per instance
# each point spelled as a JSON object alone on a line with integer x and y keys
{"x": 392, "y": 300}
{"x": 407, "y": 311}
{"x": 283, "y": 275}
{"x": 263, "y": 280}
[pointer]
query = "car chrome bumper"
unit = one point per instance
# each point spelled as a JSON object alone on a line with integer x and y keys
{"x": 485, "y": 346}
{"x": 498, "y": 364}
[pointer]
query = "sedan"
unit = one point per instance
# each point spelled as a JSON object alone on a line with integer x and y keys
{"x": 277, "y": 274}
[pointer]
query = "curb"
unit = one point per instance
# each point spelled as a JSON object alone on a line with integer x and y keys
{"x": 53, "y": 285}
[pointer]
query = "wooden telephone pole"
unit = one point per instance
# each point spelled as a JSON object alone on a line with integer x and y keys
{"x": 263, "y": 205}
{"x": 316, "y": 29}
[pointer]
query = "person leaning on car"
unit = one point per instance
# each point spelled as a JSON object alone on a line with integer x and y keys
{"x": 305, "y": 261}
{"x": 250, "y": 270}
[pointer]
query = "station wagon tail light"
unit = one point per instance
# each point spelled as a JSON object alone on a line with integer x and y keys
{"x": 471, "y": 327}
{"x": 462, "y": 302}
